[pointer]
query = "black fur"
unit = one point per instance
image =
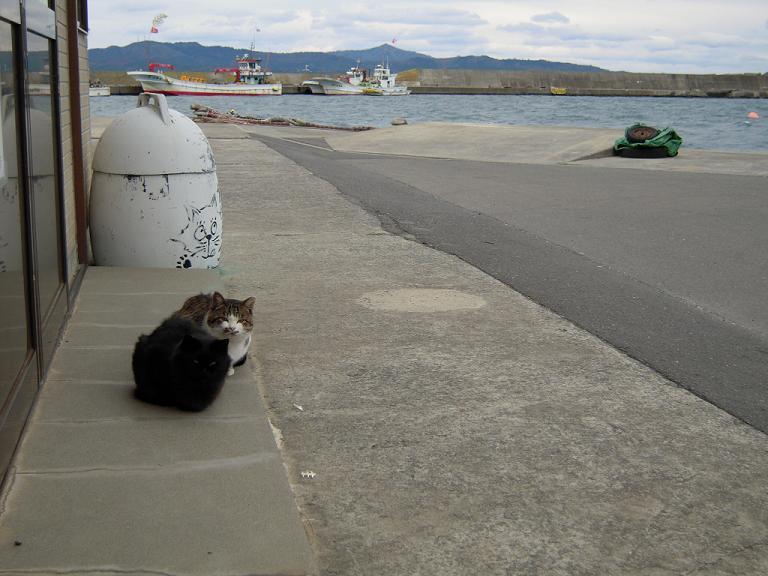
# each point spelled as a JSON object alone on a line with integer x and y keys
{"x": 179, "y": 364}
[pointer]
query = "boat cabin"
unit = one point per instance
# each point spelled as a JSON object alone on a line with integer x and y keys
{"x": 249, "y": 70}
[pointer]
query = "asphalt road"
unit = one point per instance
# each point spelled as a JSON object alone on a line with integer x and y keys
{"x": 670, "y": 268}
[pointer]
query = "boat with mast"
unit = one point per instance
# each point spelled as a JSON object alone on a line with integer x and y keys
{"x": 357, "y": 82}
{"x": 250, "y": 80}
{"x": 383, "y": 83}
{"x": 350, "y": 84}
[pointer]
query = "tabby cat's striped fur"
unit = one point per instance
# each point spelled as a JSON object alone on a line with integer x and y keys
{"x": 223, "y": 318}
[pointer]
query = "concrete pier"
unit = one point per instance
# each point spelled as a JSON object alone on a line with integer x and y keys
{"x": 430, "y": 419}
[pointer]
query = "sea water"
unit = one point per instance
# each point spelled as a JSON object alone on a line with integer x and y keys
{"x": 705, "y": 123}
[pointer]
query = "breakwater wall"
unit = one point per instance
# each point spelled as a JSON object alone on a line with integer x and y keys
{"x": 433, "y": 81}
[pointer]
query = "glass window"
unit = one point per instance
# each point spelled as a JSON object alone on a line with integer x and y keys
{"x": 14, "y": 339}
{"x": 82, "y": 14}
{"x": 42, "y": 152}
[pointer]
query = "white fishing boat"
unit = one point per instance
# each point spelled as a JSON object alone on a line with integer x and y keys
{"x": 250, "y": 80}
{"x": 357, "y": 82}
{"x": 383, "y": 83}
{"x": 350, "y": 84}
{"x": 97, "y": 89}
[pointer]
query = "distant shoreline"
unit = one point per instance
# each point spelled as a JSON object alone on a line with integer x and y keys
{"x": 133, "y": 89}
{"x": 531, "y": 82}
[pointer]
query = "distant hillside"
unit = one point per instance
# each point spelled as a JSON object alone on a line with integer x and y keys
{"x": 193, "y": 56}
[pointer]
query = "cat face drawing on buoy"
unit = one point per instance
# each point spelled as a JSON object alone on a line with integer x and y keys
{"x": 201, "y": 237}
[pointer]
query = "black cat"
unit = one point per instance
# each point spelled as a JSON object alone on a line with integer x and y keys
{"x": 179, "y": 364}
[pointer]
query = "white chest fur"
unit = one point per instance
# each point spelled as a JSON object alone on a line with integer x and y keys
{"x": 238, "y": 345}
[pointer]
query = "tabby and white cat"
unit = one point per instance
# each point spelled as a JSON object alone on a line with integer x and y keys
{"x": 223, "y": 318}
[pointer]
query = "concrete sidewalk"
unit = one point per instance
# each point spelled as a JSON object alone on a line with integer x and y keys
{"x": 456, "y": 427}
{"x": 105, "y": 484}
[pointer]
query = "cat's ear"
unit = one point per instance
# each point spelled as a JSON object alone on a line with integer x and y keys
{"x": 190, "y": 343}
{"x": 249, "y": 302}
{"x": 190, "y": 214}
{"x": 214, "y": 200}
{"x": 221, "y": 346}
{"x": 217, "y": 299}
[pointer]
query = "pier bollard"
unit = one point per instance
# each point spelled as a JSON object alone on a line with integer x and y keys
{"x": 154, "y": 193}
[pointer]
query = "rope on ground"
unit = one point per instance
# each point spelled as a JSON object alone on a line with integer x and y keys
{"x": 207, "y": 114}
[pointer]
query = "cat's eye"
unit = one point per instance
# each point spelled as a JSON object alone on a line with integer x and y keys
{"x": 200, "y": 232}
{"x": 212, "y": 364}
{"x": 195, "y": 361}
{"x": 214, "y": 227}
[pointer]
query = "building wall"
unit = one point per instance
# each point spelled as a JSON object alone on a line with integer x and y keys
{"x": 31, "y": 333}
{"x": 73, "y": 266}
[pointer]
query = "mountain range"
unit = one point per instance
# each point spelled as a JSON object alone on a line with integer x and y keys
{"x": 193, "y": 56}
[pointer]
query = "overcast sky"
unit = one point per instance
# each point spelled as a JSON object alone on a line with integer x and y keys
{"x": 638, "y": 36}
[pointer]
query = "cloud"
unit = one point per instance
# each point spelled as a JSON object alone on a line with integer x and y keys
{"x": 436, "y": 30}
{"x": 700, "y": 42}
{"x": 536, "y": 34}
{"x": 524, "y": 27}
{"x": 654, "y": 35}
{"x": 412, "y": 16}
{"x": 551, "y": 18}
